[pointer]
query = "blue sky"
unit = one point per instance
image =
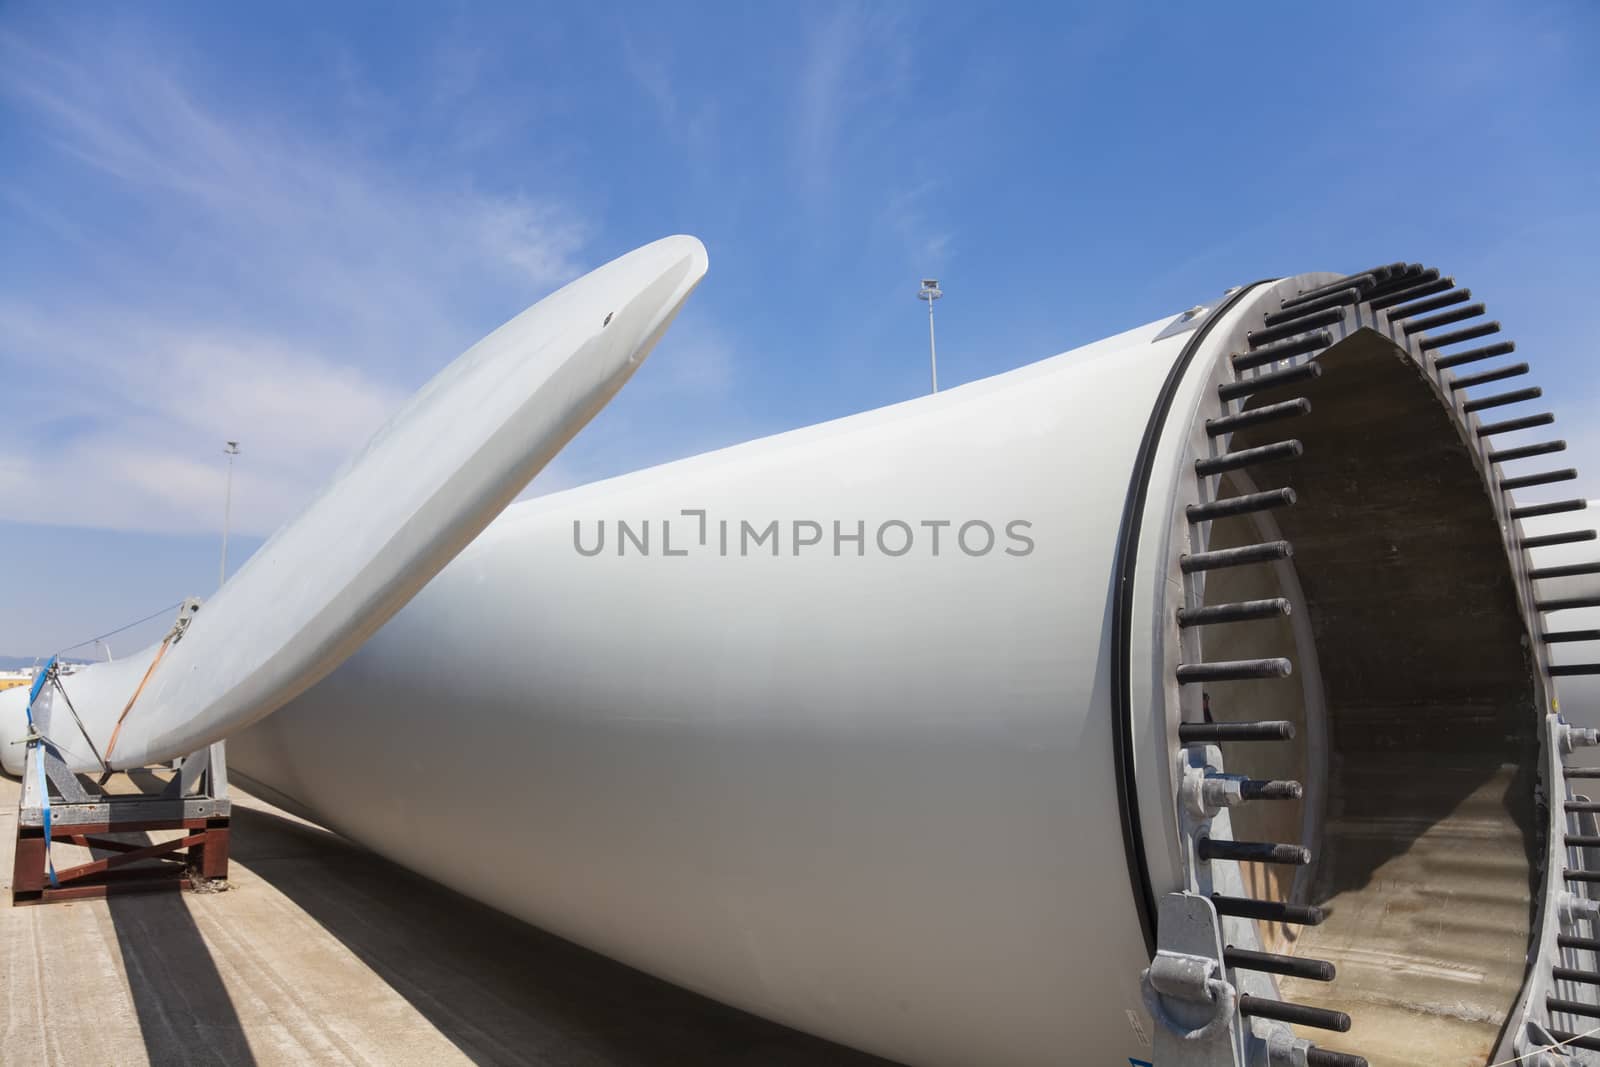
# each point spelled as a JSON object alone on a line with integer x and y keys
{"x": 273, "y": 223}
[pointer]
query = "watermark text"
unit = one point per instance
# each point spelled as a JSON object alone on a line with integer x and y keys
{"x": 693, "y": 531}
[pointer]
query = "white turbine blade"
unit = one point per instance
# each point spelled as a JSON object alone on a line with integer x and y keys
{"x": 416, "y": 494}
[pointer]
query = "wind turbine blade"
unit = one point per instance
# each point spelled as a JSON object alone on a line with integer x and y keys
{"x": 425, "y": 485}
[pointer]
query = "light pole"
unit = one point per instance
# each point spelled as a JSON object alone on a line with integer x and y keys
{"x": 930, "y": 292}
{"x": 230, "y": 451}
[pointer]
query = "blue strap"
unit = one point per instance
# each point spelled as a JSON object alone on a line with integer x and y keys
{"x": 44, "y": 792}
{"x": 39, "y": 679}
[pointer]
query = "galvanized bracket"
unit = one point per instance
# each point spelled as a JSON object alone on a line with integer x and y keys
{"x": 198, "y": 791}
{"x": 55, "y": 769}
{"x": 1194, "y": 1005}
{"x": 1186, "y": 321}
{"x": 1186, "y": 990}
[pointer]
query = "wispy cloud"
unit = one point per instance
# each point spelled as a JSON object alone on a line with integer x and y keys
{"x": 688, "y": 121}
{"x": 910, "y": 216}
{"x": 276, "y": 286}
{"x": 126, "y": 430}
{"x": 857, "y": 60}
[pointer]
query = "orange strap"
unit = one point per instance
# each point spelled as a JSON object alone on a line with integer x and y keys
{"x": 162, "y": 651}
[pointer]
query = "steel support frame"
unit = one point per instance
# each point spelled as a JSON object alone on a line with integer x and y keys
{"x": 194, "y": 801}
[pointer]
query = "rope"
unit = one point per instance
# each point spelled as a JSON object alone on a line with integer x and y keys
{"x": 55, "y": 676}
{"x": 162, "y": 651}
{"x": 118, "y": 630}
{"x": 1548, "y": 1048}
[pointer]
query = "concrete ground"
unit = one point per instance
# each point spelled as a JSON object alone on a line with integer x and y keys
{"x": 323, "y": 953}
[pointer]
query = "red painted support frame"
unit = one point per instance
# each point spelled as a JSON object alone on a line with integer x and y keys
{"x": 202, "y": 852}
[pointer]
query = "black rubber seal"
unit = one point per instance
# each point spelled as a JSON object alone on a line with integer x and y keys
{"x": 1122, "y": 622}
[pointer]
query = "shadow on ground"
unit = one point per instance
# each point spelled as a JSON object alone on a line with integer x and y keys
{"x": 500, "y": 990}
{"x": 185, "y": 1013}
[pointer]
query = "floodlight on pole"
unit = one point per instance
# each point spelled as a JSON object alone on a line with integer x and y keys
{"x": 930, "y": 292}
{"x": 231, "y": 450}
